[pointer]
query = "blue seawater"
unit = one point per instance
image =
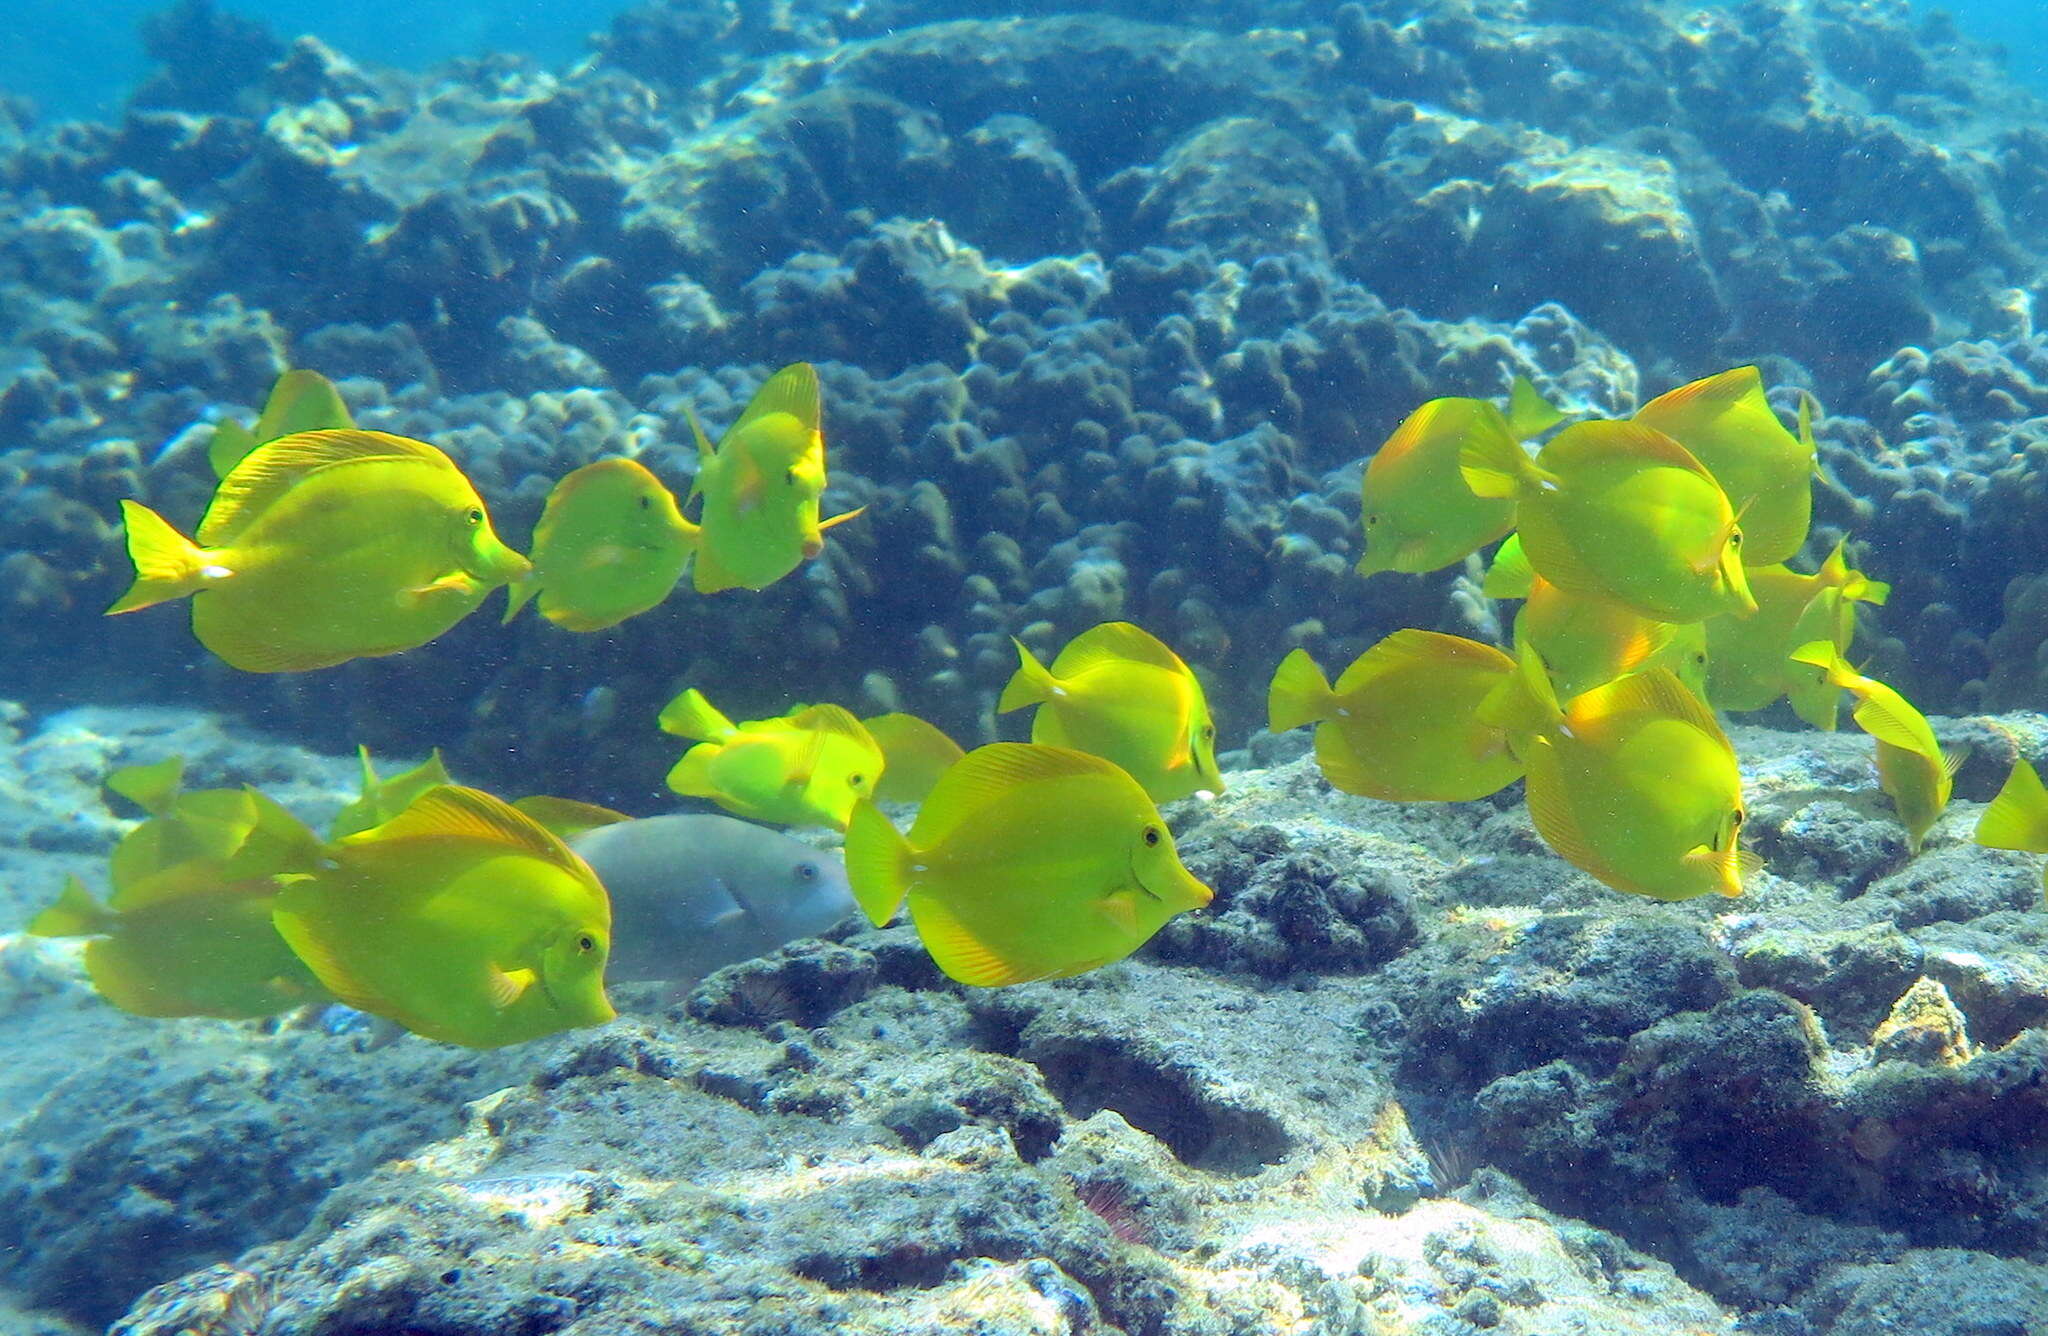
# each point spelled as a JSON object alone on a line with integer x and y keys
{"x": 75, "y": 60}
{"x": 2019, "y": 26}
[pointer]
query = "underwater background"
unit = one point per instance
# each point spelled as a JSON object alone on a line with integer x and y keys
{"x": 1110, "y": 304}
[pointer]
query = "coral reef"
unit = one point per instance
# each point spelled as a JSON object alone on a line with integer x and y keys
{"x": 1079, "y": 364}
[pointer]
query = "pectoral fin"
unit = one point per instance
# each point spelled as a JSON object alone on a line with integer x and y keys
{"x": 504, "y": 987}
{"x": 455, "y": 582}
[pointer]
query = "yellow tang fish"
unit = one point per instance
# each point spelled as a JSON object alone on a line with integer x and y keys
{"x": 1730, "y": 427}
{"x": 761, "y": 485}
{"x": 803, "y": 769}
{"x": 1117, "y": 691}
{"x": 324, "y": 547}
{"x": 609, "y": 545}
{"x": 1912, "y": 768}
{"x": 1401, "y": 725}
{"x": 2018, "y": 817}
{"x": 1586, "y": 641}
{"x": 1749, "y": 657}
{"x": 1418, "y": 513}
{"x": 914, "y": 754}
{"x": 1025, "y": 862}
{"x": 1633, "y": 782}
{"x": 299, "y": 401}
{"x": 187, "y": 931}
{"x": 461, "y": 919}
{"x": 1615, "y": 510}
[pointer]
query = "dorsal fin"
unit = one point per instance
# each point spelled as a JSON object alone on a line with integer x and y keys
{"x": 1111, "y": 642}
{"x": 992, "y": 774}
{"x": 1412, "y": 647}
{"x": 832, "y": 720}
{"x": 792, "y": 390}
{"x": 301, "y": 401}
{"x": 565, "y": 817}
{"x": 1589, "y": 440}
{"x": 275, "y": 467}
{"x": 1711, "y": 395}
{"x": 1655, "y": 691}
{"x": 1884, "y": 715}
{"x": 457, "y": 813}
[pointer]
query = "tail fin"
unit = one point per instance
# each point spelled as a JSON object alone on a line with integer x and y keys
{"x": 75, "y": 914}
{"x": 691, "y": 776}
{"x": 691, "y": 716}
{"x": 1525, "y": 702}
{"x": 516, "y": 595}
{"x": 1823, "y": 654}
{"x": 877, "y": 862}
{"x": 1032, "y": 684}
{"x": 2018, "y": 817}
{"x": 1300, "y": 694}
{"x": 1494, "y": 464}
{"x": 1510, "y": 575}
{"x": 168, "y": 565}
{"x": 1529, "y": 413}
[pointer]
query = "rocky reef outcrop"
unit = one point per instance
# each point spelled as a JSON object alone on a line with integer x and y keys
{"x": 1081, "y": 361}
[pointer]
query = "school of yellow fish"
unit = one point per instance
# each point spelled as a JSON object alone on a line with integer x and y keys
{"x": 1648, "y": 557}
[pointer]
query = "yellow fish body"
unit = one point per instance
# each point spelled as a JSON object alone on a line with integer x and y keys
{"x": 610, "y": 544}
{"x": 804, "y": 769}
{"x": 461, "y": 919}
{"x": 187, "y": 931}
{"x": 1118, "y": 692}
{"x": 1025, "y": 862}
{"x": 299, "y": 401}
{"x": 761, "y": 486}
{"x": 1401, "y": 723}
{"x": 1912, "y": 769}
{"x": 1633, "y": 782}
{"x": 2018, "y": 817}
{"x": 914, "y": 754}
{"x": 1418, "y": 513}
{"x": 1729, "y": 426}
{"x": 1587, "y": 641}
{"x": 1615, "y": 510}
{"x": 324, "y": 547}
{"x": 1749, "y": 656}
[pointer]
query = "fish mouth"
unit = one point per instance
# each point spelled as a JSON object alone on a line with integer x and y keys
{"x": 812, "y": 547}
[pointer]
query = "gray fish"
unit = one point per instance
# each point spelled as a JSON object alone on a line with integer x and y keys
{"x": 691, "y": 893}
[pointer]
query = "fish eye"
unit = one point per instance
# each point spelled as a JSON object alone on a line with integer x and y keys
{"x": 1151, "y": 837}
{"x": 790, "y": 477}
{"x": 1735, "y": 539}
{"x": 1735, "y": 818}
{"x": 807, "y": 871}
{"x": 586, "y": 943}
{"x": 474, "y": 516}
{"x": 646, "y": 502}
{"x": 1209, "y": 731}
{"x": 1371, "y": 520}
{"x": 857, "y": 781}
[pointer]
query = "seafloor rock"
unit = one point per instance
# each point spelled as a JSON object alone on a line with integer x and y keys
{"x": 1796, "y": 1100}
